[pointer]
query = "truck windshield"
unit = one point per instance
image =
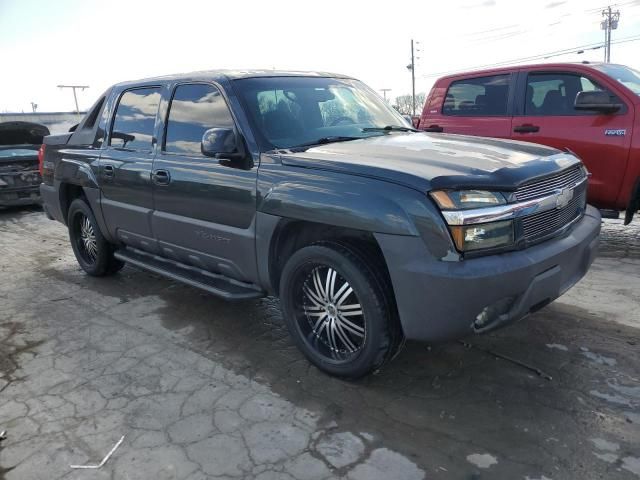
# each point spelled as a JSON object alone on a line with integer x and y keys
{"x": 286, "y": 112}
{"x": 627, "y": 76}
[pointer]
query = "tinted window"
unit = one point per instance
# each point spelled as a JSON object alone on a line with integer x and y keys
{"x": 477, "y": 97}
{"x": 555, "y": 93}
{"x": 194, "y": 109}
{"x": 93, "y": 115}
{"x": 135, "y": 118}
{"x": 289, "y": 111}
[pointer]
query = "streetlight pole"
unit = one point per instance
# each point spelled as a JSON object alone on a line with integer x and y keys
{"x": 384, "y": 92}
{"x": 412, "y": 67}
{"x": 75, "y": 96}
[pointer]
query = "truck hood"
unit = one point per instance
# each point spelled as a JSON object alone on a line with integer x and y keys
{"x": 433, "y": 161}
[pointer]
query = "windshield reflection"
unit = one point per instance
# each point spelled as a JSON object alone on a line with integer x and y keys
{"x": 290, "y": 111}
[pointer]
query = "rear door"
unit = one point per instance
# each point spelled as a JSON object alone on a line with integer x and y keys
{"x": 545, "y": 114}
{"x": 125, "y": 168}
{"x": 204, "y": 207}
{"x": 477, "y": 105}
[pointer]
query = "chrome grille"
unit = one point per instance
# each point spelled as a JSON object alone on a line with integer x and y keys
{"x": 548, "y": 186}
{"x": 543, "y": 224}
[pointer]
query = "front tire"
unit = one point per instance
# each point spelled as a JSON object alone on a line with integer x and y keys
{"x": 93, "y": 252}
{"x": 337, "y": 310}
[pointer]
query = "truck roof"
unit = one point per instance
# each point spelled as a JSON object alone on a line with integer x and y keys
{"x": 512, "y": 68}
{"x": 231, "y": 75}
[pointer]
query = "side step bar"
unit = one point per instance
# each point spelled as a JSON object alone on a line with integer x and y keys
{"x": 219, "y": 285}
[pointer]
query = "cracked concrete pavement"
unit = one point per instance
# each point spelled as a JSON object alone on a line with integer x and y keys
{"x": 206, "y": 389}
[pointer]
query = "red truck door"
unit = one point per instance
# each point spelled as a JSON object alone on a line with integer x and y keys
{"x": 471, "y": 106}
{"x": 544, "y": 113}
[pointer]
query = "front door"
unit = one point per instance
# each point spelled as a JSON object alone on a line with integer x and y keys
{"x": 473, "y": 106}
{"x": 601, "y": 140}
{"x": 204, "y": 208}
{"x": 125, "y": 168}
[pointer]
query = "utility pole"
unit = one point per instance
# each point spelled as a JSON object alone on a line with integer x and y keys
{"x": 384, "y": 92}
{"x": 75, "y": 97}
{"x": 609, "y": 23}
{"x": 412, "y": 67}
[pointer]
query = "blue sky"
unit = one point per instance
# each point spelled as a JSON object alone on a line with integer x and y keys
{"x": 102, "y": 42}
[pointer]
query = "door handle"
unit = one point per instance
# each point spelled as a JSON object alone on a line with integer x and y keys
{"x": 161, "y": 177}
{"x": 526, "y": 128}
{"x": 108, "y": 171}
{"x": 433, "y": 128}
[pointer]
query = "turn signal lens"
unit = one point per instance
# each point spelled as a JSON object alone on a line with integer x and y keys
{"x": 482, "y": 236}
{"x": 466, "y": 199}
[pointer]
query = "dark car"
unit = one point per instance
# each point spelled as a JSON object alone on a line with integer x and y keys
{"x": 19, "y": 175}
{"x": 308, "y": 186}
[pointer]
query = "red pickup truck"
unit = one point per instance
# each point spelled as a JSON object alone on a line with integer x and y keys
{"x": 591, "y": 109}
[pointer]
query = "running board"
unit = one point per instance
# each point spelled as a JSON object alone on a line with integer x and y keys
{"x": 219, "y": 285}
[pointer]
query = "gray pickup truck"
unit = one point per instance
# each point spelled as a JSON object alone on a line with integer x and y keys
{"x": 309, "y": 187}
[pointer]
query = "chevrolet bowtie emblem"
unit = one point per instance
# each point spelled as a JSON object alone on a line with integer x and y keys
{"x": 564, "y": 197}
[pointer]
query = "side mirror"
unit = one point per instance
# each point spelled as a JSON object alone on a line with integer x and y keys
{"x": 597, "y": 101}
{"x": 221, "y": 143}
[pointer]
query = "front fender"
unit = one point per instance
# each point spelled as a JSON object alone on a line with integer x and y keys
{"x": 345, "y": 201}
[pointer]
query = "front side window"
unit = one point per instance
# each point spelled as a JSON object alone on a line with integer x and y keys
{"x": 292, "y": 111}
{"x": 477, "y": 97}
{"x": 550, "y": 94}
{"x": 628, "y": 77}
{"x": 194, "y": 109}
{"x": 135, "y": 118}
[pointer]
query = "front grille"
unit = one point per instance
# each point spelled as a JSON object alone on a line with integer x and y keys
{"x": 543, "y": 224}
{"x": 549, "y": 185}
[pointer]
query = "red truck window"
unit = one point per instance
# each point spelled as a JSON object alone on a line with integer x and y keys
{"x": 477, "y": 97}
{"x": 554, "y": 93}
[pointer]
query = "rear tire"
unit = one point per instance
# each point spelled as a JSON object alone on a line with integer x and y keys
{"x": 93, "y": 252}
{"x": 337, "y": 310}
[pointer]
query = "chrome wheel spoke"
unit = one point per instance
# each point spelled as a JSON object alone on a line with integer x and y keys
{"x": 317, "y": 281}
{"x": 344, "y": 337}
{"x": 351, "y": 313}
{"x": 352, "y": 327}
{"x": 331, "y": 335}
{"x": 330, "y": 283}
{"x": 344, "y": 296}
{"x": 313, "y": 297}
{"x": 321, "y": 319}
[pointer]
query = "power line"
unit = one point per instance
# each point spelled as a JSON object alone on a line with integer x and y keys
{"x": 541, "y": 56}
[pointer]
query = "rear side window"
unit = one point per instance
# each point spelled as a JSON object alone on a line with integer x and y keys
{"x": 194, "y": 109}
{"x": 478, "y": 97}
{"x": 135, "y": 119}
{"x": 550, "y": 94}
{"x": 93, "y": 115}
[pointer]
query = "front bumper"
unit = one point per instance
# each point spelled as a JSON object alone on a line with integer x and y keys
{"x": 439, "y": 301}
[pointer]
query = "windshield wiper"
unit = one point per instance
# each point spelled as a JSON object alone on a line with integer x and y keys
{"x": 325, "y": 140}
{"x": 390, "y": 128}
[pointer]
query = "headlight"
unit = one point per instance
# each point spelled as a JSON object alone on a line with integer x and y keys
{"x": 465, "y": 199}
{"x": 457, "y": 205}
{"x": 482, "y": 236}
